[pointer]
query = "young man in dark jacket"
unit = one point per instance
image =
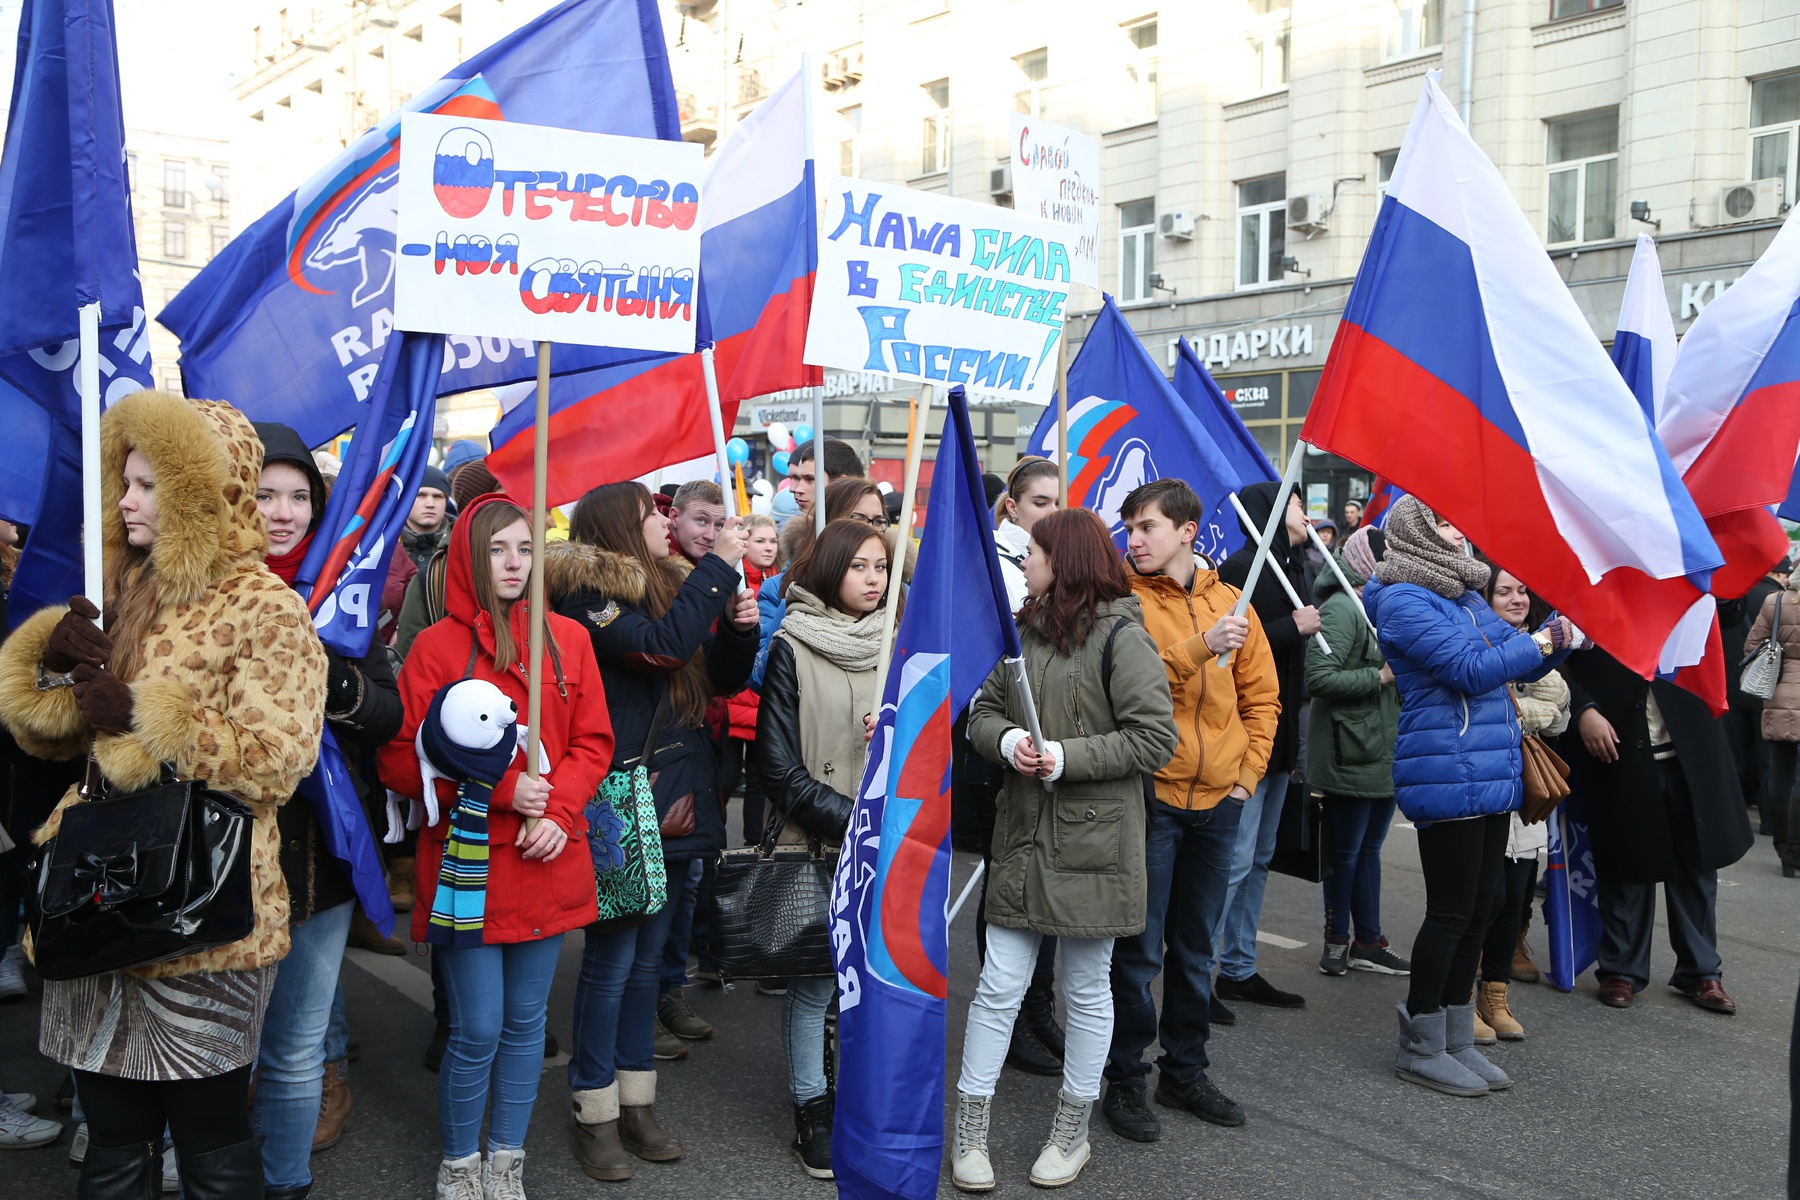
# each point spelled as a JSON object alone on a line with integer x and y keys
{"x": 1288, "y": 627}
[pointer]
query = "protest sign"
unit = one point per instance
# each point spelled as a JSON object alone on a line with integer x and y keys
{"x": 523, "y": 231}
{"x": 924, "y": 287}
{"x": 1056, "y": 178}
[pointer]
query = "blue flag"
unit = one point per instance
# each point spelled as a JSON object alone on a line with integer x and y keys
{"x": 1571, "y": 897}
{"x": 1195, "y": 384}
{"x": 290, "y": 322}
{"x": 65, "y": 241}
{"x": 1127, "y": 426}
{"x": 889, "y": 932}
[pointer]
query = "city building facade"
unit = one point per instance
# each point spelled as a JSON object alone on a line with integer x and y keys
{"x": 182, "y": 213}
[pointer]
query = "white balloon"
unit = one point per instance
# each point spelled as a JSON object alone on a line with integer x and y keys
{"x": 779, "y": 437}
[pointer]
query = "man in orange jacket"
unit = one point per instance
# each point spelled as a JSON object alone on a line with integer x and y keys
{"x": 1226, "y": 718}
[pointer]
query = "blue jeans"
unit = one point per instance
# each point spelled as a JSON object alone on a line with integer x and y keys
{"x": 291, "y": 1063}
{"x": 615, "y": 1001}
{"x": 1250, "y": 877}
{"x": 337, "y": 1033}
{"x": 1187, "y": 859}
{"x": 497, "y": 997}
{"x": 684, "y": 896}
{"x": 803, "y": 1034}
{"x": 1359, "y": 826}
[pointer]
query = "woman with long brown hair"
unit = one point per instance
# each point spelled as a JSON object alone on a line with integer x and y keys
{"x": 811, "y": 739}
{"x": 668, "y": 639}
{"x": 1069, "y": 838}
{"x": 498, "y": 882}
{"x": 208, "y": 664}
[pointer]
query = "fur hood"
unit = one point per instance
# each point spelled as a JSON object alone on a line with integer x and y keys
{"x": 571, "y": 568}
{"x": 207, "y": 460}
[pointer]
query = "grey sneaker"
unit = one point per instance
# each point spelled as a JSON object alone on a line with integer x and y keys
{"x": 12, "y": 974}
{"x": 1336, "y": 959}
{"x": 679, "y": 1018}
{"x": 668, "y": 1046}
{"x": 19, "y": 1130}
{"x": 1379, "y": 959}
{"x": 78, "y": 1145}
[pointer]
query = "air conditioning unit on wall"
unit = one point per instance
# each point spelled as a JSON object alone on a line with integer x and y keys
{"x": 1176, "y": 226}
{"x": 1306, "y": 211}
{"x": 1000, "y": 180}
{"x": 1758, "y": 200}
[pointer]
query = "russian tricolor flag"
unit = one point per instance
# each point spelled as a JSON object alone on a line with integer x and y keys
{"x": 758, "y": 257}
{"x": 1464, "y": 373}
{"x": 1731, "y": 417}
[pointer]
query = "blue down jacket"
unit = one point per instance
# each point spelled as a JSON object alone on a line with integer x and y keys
{"x": 1458, "y": 751}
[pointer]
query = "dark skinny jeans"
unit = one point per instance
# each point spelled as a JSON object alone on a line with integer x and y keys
{"x": 1512, "y": 915}
{"x": 1461, "y": 861}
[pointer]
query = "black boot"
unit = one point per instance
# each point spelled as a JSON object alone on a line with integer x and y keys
{"x": 123, "y": 1173}
{"x": 812, "y": 1136}
{"x": 1039, "y": 1014}
{"x": 232, "y": 1173}
{"x": 299, "y": 1193}
{"x": 1030, "y": 1055}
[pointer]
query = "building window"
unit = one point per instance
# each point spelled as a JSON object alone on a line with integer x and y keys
{"x": 1137, "y": 250}
{"x": 174, "y": 184}
{"x": 1269, "y": 39}
{"x": 1034, "y": 68}
{"x": 934, "y": 151}
{"x": 1140, "y": 72}
{"x": 1262, "y": 229}
{"x": 1413, "y": 27}
{"x": 1384, "y": 171}
{"x": 171, "y": 381}
{"x": 1775, "y": 130}
{"x": 1575, "y": 8}
{"x": 174, "y": 239}
{"x": 849, "y": 152}
{"x": 1584, "y": 173}
{"x": 221, "y": 237}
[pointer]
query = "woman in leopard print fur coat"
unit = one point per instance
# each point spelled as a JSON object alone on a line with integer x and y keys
{"x": 210, "y": 664}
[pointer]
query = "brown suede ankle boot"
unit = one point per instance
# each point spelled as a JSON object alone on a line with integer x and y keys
{"x": 638, "y": 1130}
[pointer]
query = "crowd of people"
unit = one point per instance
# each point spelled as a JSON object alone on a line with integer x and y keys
{"x": 700, "y": 657}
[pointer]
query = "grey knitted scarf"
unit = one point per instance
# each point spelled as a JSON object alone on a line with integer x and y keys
{"x": 1416, "y": 554}
{"x": 849, "y": 643}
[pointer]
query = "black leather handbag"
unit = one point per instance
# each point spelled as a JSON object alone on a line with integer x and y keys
{"x": 137, "y": 879}
{"x": 772, "y": 909}
{"x": 1303, "y": 839}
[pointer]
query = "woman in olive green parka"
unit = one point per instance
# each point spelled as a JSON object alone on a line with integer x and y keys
{"x": 1068, "y": 852}
{"x": 1350, "y": 760}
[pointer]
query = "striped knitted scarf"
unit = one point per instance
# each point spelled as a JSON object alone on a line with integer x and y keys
{"x": 459, "y": 906}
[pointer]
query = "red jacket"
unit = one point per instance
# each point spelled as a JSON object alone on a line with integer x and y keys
{"x": 742, "y": 707}
{"x": 525, "y": 900}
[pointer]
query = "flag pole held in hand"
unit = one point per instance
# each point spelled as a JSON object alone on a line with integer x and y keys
{"x": 1287, "y": 585}
{"x": 540, "y": 484}
{"x": 1289, "y": 480}
{"x": 1331, "y": 561}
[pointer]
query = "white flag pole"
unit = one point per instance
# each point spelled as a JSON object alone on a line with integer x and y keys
{"x": 962, "y": 897}
{"x": 1331, "y": 561}
{"x": 1287, "y": 585}
{"x": 818, "y": 391}
{"x": 88, "y": 382}
{"x": 1288, "y": 482}
{"x": 716, "y": 415}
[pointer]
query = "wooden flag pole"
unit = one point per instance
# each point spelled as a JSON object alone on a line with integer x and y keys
{"x": 1288, "y": 482}
{"x": 540, "y": 492}
{"x": 890, "y": 608}
{"x": 1062, "y": 414}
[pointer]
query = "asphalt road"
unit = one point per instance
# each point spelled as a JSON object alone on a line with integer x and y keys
{"x": 1659, "y": 1100}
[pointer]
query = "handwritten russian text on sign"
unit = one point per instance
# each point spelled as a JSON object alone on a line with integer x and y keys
{"x": 524, "y": 231}
{"x": 928, "y": 288}
{"x": 1056, "y": 177}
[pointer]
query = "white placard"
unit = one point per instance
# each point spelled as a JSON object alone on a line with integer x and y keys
{"x": 525, "y": 231}
{"x": 1056, "y": 177}
{"x": 927, "y": 288}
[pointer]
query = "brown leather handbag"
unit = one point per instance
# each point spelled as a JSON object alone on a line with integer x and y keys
{"x": 1546, "y": 775}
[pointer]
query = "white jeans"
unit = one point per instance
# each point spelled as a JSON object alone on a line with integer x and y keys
{"x": 1087, "y": 990}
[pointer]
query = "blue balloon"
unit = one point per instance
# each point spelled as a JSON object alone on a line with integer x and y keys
{"x": 737, "y": 450}
{"x": 803, "y": 433}
{"x": 780, "y": 462}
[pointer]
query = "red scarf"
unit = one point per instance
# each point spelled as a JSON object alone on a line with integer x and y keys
{"x": 287, "y": 566}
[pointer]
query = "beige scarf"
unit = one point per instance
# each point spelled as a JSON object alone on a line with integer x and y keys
{"x": 847, "y": 642}
{"x": 1416, "y": 554}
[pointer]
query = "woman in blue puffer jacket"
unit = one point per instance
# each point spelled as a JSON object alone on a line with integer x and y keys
{"x": 1457, "y": 772}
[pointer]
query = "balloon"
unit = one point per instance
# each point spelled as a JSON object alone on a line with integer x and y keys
{"x": 780, "y": 462}
{"x": 737, "y": 450}
{"x": 803, "y": 432}
{"x": 779, "y": 437}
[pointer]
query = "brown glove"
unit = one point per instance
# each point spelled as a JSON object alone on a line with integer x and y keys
{"x": 76, "y": 639}
{"x": 104, "y": 699}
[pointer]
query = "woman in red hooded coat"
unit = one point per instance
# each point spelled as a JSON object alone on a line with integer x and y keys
{"x": 539, "y": 881}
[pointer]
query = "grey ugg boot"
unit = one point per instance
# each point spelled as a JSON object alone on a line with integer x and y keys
{"x": 1459, "y": 1044}
{"x": 1422, "y": 1059}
